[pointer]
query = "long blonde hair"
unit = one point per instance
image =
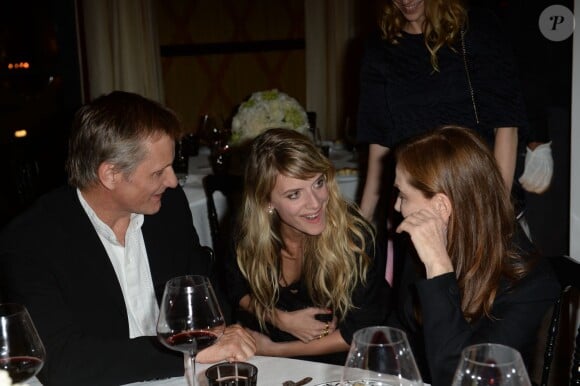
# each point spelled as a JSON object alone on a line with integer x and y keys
{"x": 457, "y": 162}
{"x": 444, "y": 20}
{"x": 334, "y": 261}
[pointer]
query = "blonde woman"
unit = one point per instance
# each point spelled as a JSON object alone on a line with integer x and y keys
{"x": 304, "y": 274}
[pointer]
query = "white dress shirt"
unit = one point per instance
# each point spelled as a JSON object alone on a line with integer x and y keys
{"x": 132, "y": 269}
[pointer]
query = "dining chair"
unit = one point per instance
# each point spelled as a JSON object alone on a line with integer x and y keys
{"x": 575, "y": 377}
{"x": 568, "y": 272}
{"x": 230, "y": 186}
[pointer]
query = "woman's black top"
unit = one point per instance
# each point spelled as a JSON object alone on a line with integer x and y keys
{"x": 370, "y": 305}
{"x": 401, "y": 95}
{"x": 437, "y": 341}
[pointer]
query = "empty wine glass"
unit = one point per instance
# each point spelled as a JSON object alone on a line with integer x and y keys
{"x": 380, "y": 356}
{"x": 214, "y": 131}
{"x": 491, "y": 364}
{"x": 216, "y": 134}
{"x": 190, "y": 318}
{"x": 22, "y": 353}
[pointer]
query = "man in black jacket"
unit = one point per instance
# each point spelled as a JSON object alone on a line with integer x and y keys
{"x": 90, "y": 260}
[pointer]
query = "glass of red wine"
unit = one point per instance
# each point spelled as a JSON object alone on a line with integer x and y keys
{"x": 22, "y": 353}
{"x": 489, "y": 364}
{"x": 190, "y": 318}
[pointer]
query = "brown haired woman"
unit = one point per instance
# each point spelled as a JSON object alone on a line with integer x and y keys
{"x": 468, "y": 277}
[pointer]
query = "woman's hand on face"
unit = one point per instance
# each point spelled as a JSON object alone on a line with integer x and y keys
{"x": 303, "y": 323}
{"x": 428, "y": 232}
{"x": 236, "y": 344}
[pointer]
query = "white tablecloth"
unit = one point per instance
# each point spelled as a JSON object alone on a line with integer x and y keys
{"x": 272, "y": 371}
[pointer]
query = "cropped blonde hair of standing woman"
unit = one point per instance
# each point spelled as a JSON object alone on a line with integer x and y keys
{"x": 440, "y": 22}
{"x": 304, "y": 269}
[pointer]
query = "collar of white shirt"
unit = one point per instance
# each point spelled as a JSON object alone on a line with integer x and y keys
{"x": 131, "y": 266}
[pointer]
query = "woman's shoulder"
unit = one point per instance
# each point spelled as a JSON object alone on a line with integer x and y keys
{"x": 540, "y": 280}
{"x": 49, "y": 212}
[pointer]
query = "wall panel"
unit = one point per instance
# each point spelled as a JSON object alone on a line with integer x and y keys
{"x": 216, "y": 53}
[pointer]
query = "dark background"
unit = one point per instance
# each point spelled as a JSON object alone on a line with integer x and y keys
{"x": 40, "y": 100}
{"x": 43, "y": 99}
{"x": 545, "y": 69}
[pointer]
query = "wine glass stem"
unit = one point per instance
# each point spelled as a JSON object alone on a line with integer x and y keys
{"x": 189, "y": 366}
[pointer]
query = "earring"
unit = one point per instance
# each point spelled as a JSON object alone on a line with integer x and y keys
{"x": 270, "y": 210}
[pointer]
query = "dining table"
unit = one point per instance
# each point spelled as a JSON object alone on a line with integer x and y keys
{"x": 272, "y": 371}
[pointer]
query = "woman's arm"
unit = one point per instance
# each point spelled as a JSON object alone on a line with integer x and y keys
{"x": 327, "y": 344}
{"x": 372, "y": 189}
{"x": 517, "y": 315}
{"x": 505, "y": 152}
{"x": 301, "y": 323}
{"x": 370, "y": 309}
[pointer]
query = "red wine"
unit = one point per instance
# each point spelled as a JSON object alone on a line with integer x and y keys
{"x": 20, "y": 368}
{"x": 190, "y": 340}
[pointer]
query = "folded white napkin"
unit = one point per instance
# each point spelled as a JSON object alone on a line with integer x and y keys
{"x": 538, "y": 169}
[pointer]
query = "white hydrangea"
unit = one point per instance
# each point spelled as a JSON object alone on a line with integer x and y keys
{"x": 265, "y": 110}
{"x": 5, "y": 380}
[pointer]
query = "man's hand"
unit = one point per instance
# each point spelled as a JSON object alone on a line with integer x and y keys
{"x": 236, "y": 344}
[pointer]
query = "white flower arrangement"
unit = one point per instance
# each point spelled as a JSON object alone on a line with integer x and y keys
{"x": 5, "y": 380}
{"x": 266, "y": 110}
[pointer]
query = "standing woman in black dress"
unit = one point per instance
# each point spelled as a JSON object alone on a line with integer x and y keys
{"x": 437, "y": 63}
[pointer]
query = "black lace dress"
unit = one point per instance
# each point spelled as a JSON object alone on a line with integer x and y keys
{"x": 401, "y": 95}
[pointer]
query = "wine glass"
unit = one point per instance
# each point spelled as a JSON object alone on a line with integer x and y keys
{"x": 190, "y": 318}
{"x": 214, "y": 131}
{"x": 380, "y": 355}
{"x": 491, "y": 364}
{"x": 22, "y": 353}
{"x": 216, "y": 134}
